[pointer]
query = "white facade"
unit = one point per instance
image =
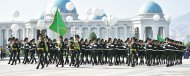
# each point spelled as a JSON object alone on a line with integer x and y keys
{"x": 141, "y": 27}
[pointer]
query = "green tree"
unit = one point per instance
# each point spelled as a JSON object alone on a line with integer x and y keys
{"x": 92, "y": 36}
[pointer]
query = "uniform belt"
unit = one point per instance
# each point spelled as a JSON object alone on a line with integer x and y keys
{"x": 14, "y": 48}
{"x": 133, "y": 49}
{"x": 149, "y": 49}
{"x": 71, "y": 49}
{"x": 40, "y": 48}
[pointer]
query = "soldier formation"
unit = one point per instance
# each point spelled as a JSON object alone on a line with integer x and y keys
{"x": 75, "y": 52}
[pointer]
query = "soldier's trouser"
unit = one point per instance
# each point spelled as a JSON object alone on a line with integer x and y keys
{"x": 61, "y": 60}
{"x": 14, "y": 57}
{"x": 1, "y": 54}
{"x": 67, "y": 57}
{"x": 110, "y": 56}
{"x": 168, "y": 57}
{"x": 18, "y": 55}
{"x": 32, "y": 56}
{"x": 26, "y": 56}
{"x": 133, "y": 57}
{"x": 149, "y": 57}
{"x": 55, "y": 56}
{"x": 94, "y": 56}
{"x": 46, "y": 58}
{"x": 141, "y": 56}
{"x": 117, "y": 56}
{"x": 11, "y": 55}
{"x": 105, "y": 53}
{"x": 75, "y": 57}
{"x": 99, "y": 54}
{"x": 82, "y": 56}
{"x": 41, "y": 59}
{"x": 86, "y": 56}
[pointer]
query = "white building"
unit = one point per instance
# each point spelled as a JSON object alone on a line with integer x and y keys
{"x": 141, "y": 27}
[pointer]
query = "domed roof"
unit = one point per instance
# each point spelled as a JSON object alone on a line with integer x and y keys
{"x": 61, "y": 4}
{"x": 99, "y": 17}
{"x": 150, "y": 7}
{"x": 42, "y": 17}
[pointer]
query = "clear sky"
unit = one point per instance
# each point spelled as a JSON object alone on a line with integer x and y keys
{"x": 32, "y": 9}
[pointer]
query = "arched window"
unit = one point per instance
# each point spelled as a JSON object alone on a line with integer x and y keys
{"x": 103, "y": 33}
{"x": 148, "y": 32}
{"x": 85, "y": 33}
{"x": 120, "y": 32}
{"x": 161, "y": 32}
{"x": 137, "y": 33}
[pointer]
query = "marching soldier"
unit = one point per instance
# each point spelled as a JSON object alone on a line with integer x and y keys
{"x": 86, "y": 52}
{"x": 133, "y": 52}
{"x": 33, "y": 51}
{"x": 82, "y": 51}
{"x": 94, "y": 52}
{"x": 55, "y": 51}
{"x": 66, "y": 51}
{"x": 149, "y": 50}
{"x": 26, "y": 51}
{"x": 46, "y": 50}
{"x": 8, "y": 46}
{"x": 104, "y": 52}
{"x": 40, "y": 50}
{"x": 18, "y": 51}
{"x": 168, "y": 49}
{"x": 14, "y": 47}
{"x": 141, "y": 52}
{"x": 71, "y": 46}
{"x": 99, "y": 52}
{"x": 110, "y": 47}
{"x": 77, "y": 50}
{"x": 121, "y": 49}
{"x": 61, "y": 51}
{"x": 1, "y": 50}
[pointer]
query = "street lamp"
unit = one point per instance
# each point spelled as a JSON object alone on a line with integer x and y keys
{"x": 70, "y": 19}
{"x": 70, "y": 6}
{"x": 156, "y": 17}
{"x": 14, "y": 28}
{"x": 73, "y": 31}
{"x": 41, "y": 25}
{"x": 110, "y": 22}
{"x": 167, "y": 17}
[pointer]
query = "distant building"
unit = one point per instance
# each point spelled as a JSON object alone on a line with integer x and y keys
{"x": 141, "y": 27}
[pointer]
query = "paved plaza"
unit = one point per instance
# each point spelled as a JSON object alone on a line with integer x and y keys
{"x": 99, "y": 70}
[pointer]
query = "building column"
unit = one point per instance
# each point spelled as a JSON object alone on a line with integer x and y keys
{"x": 1, "y": 35}
{"x": 116, "y": 32}
{"x": 98, "y": 32}
{"x": 125, "y": 32}
{"x": 155, "y": 32}
{"x": 81, "y": 31}
{"x": 24, "y": 33}
{"x": 166, "y": 32}
{"x": 7, "y": 36}
{"x": 142, "y": 33}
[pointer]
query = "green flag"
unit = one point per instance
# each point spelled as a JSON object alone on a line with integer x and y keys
{"x": 160, "y": 38}
{"x": 58, "y": 25}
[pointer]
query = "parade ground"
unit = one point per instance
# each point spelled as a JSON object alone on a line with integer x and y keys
{"x": 99, "y": 70}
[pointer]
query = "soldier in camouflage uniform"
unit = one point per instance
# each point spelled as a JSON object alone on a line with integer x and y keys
{"x": 41, "y": 50}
